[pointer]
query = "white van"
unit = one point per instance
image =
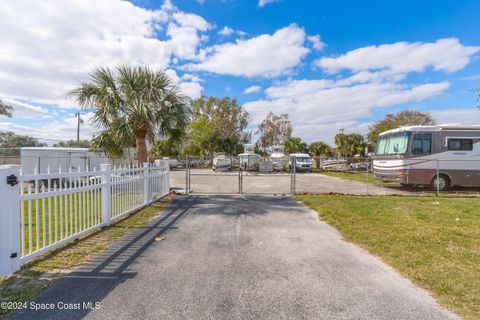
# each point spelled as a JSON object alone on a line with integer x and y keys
{"x": 302, "y": 161}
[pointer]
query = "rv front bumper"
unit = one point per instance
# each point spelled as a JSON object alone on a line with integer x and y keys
{"x": 391, "y": 175}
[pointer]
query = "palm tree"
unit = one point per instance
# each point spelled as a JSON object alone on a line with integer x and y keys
{"x": 131, "y": 105}
{"x": 320, "y": 148}
{"x": 5, "y": 109}
{"x": 295, "y": 145}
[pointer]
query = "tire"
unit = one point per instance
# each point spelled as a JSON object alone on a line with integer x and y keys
{"x": 444, "y": 182}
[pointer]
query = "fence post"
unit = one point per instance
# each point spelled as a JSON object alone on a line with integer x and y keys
{"x": 106, "y": 185}
{"x": 438, "y": 179}
{"x": 146, "y": 183}
{"x": 366, "y": 176}
{"x": 187, "y": 176}
{"x": 9, "y": 219}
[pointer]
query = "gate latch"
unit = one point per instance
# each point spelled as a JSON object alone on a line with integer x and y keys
{"x": 13, "y": 255}
{"x": 12, "y": 180}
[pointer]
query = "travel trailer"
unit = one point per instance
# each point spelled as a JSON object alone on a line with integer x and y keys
{"x": 221, "y": 163}
{"x": 249, "y": 160}
{"x": 302, "y": 162}
{"x": 278, "y": 158}
{"x": 416, "y": 155}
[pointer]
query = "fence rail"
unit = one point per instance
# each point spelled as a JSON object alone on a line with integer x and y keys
{"x": 39, "y": 212}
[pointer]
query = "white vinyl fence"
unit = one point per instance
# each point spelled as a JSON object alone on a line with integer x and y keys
{"x": 39, "y": 212}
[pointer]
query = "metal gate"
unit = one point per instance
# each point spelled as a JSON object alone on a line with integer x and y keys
{"x": 200, "y": 178}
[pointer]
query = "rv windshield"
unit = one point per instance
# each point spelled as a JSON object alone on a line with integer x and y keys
{"x": 395, "y": 143}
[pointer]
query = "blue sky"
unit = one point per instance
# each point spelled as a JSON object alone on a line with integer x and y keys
{"x": 329, "y": 64}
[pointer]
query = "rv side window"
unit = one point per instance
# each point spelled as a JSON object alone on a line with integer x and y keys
{"x": 422, "y": 143}
{"x": 460, "y": 144}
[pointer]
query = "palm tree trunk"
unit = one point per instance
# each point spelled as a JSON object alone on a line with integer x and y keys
{"x": 141, "y": 149}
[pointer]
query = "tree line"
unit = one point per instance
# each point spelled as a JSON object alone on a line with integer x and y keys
{"x": 139, "y": 107}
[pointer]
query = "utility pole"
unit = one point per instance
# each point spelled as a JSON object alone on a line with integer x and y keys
{"x": 79, "y": 121}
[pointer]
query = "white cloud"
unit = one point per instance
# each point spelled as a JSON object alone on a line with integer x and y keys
{"x": 265, "y": 55}
{"x": 24, "y": 110}
{"x": 226, "y": 31}
{"x": 315, "y": 103}
{"x": 402, "y": 57}
{"x": 188, "y": 83}
{"x": 56, "y": 129}
{"x": 316, "y": 42}
{"x": 44, "y": 53}
{"x": 262, "y": 3}
{"x": 457, "y": 116}
{"x": 326, "y": 131}
{"x": 252, "y": 89}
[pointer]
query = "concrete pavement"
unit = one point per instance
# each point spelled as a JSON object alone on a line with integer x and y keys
{"x": 229, "y": 257}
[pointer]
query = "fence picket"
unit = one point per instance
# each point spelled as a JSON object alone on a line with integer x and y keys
{"x": 68, "y": 204}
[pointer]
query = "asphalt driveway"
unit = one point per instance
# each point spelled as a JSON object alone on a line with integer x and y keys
{"x": 228, "y": 257}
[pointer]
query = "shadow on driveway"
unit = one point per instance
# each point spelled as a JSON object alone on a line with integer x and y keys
{"x": 88, "y": 284}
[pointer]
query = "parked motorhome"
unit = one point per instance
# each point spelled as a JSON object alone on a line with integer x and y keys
{"x": 278, "y": 158}
{"x": 302, "y": 162}
{"x": 41, "y": 159}
{"x": 414, "y": 155}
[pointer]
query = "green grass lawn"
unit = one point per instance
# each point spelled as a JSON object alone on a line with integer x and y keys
{"x": 433, "y": 241}
{"x": 26, "y": 284}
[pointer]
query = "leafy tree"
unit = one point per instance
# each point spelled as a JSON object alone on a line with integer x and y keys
{"x": 10, "y": 140}
{"x": 218, "y": 125}
{"x": 73, "y": 144}
{"x": 350, "y": 145}
{"x": 5, "y": 109}
{"x": 132, "y": 104}
{"x": 295, "y": 145}
{"x": 320, "y": 148}
{"x": 162, "y": 148}
{"x": 274, "y": 130}
{"x": 402, "y": 118}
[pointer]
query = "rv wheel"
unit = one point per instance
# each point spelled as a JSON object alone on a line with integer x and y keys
{"x": 443, "y": 182}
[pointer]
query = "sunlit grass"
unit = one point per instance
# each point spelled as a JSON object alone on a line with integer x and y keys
{"x": 433, "y": 241}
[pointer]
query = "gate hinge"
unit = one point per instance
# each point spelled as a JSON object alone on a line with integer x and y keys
{"x": 13, "y": 255}
{"x": 12, "y": 180}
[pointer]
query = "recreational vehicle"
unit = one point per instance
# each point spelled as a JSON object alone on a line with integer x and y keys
{"x": 278, "y": 158}
{"x": 249, "y": 160}
{"x": 439, "y": 156}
